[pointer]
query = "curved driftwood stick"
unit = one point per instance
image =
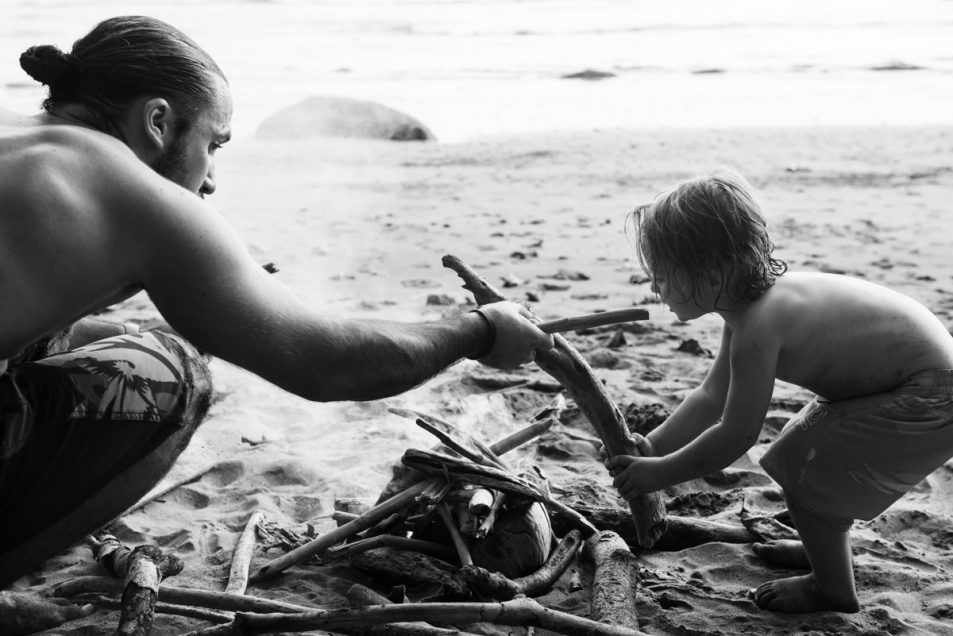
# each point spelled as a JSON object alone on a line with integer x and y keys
{"x": 565, "y": 364}
{"x": 523, "y": 611}
{"x": 495, "y": 585}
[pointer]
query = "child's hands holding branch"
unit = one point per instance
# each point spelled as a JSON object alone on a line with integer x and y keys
{"x": 635, "y": 475}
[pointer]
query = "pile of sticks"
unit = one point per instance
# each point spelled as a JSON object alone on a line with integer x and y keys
{"x": 467, "y": 477}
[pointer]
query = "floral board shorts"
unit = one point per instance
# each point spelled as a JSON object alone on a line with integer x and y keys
{"x": 73, "y": 421}
{"x": 852, "y": 459}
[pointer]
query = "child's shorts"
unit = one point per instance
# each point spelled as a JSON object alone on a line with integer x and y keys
{"x": 852, "y": 459}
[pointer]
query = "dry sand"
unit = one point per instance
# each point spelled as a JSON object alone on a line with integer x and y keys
{"x": 358, "y": 228}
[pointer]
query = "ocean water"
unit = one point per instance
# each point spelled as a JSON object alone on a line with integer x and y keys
{"x": 472, "y": 68}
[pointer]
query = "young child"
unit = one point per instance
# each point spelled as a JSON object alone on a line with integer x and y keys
{"x": 880, "y": 364}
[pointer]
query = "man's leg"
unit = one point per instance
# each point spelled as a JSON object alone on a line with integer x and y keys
{"x": 133, "y": 404}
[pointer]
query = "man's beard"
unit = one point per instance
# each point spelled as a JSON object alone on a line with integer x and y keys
{"x": 170, "y": 163}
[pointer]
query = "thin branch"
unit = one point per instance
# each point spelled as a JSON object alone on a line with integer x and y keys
{"x": 241, "y": 557}
{"x": 363, "y": 522}
{"x": 518, "y": 612}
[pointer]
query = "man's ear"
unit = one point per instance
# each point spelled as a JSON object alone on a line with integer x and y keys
{"x": 157, "y": 122}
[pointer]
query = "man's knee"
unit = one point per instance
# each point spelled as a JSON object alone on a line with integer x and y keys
{"x": 196, "y": 379}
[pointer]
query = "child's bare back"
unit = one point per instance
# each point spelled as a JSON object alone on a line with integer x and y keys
{"x": 843, "y": 337}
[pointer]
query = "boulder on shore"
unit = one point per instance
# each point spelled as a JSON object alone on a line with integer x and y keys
{"x": 342, "y": 117}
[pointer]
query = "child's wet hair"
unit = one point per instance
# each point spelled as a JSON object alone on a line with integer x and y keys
{"x": 704, "y": 225}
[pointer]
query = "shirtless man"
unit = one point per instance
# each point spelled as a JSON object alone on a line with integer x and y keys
{"x": 101, "y": 196}
{"x": 880, "y": 363}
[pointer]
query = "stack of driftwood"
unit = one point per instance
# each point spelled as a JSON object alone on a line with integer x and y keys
{"x": 456, "y": 517}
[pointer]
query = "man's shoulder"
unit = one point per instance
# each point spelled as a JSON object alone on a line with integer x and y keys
{"x": 55, "y": 145}
{"x": 66, "y": 160}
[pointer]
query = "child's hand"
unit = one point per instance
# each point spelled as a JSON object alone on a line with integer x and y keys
{"x": 642, "y": 444}
{"x": 633, "y": 475}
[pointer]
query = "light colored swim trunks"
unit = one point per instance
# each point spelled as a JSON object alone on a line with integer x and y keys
{"x": 852, "y": 459}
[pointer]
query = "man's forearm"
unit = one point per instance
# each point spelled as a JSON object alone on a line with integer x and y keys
{"x": 376, "y": 359}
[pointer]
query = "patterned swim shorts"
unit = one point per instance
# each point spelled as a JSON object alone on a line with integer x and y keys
{"x": 854, "y": 458}
{"x": 74, "y": 420}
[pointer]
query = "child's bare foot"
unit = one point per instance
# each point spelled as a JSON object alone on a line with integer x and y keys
{"x": 786, "y": 552}
{"x": 799, "y": 595}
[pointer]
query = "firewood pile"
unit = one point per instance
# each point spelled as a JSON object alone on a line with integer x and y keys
{"x": 456, "y": 515}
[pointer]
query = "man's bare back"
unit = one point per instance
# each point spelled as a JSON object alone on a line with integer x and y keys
{"x": 53, "y": 218}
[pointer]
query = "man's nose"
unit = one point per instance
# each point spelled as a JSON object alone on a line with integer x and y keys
{"x": 208, "y": 184}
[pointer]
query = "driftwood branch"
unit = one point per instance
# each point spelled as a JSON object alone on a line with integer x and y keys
{"x": 27, "y": 613}
{"x": 499, "y": 498}
{"x": 361, "y": 523}
{"x": 181, "y": 596}
{"x": 614, "y": 581}
{"x": 601, "y": 319}
{"x": 241, "y": 557}
{"x": 147, "y": 566}
{"x": 519, "y": 612}
{"x": 565, "y": 364}
{"x": 200, "y": 613}
{"x": 360, "y": 596}
{"x": 495, "y": 585}
{"x": 413, "y": 567}
{"x": 459, "y": 544}
{"x": 680, "y": 532}
{"x": 522, "y": 436}
{"x": 348, "y": 550}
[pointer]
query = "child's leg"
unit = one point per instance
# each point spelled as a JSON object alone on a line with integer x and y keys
{"x": 830, "y": 584}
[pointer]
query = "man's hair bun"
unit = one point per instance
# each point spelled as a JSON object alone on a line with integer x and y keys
{"x": 48, "y": 65}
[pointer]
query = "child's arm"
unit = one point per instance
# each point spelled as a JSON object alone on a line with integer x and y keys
{"x": 753, "y": 362}
{"x": 700, "y": 409}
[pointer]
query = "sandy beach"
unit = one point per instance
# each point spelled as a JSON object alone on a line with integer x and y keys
{"x": 358, "y": 228}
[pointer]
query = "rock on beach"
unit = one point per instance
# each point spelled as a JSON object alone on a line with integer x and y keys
{"x": 321, "y": 116}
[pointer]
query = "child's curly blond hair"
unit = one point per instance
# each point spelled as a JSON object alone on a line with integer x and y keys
{"x": 710, "y": 225}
